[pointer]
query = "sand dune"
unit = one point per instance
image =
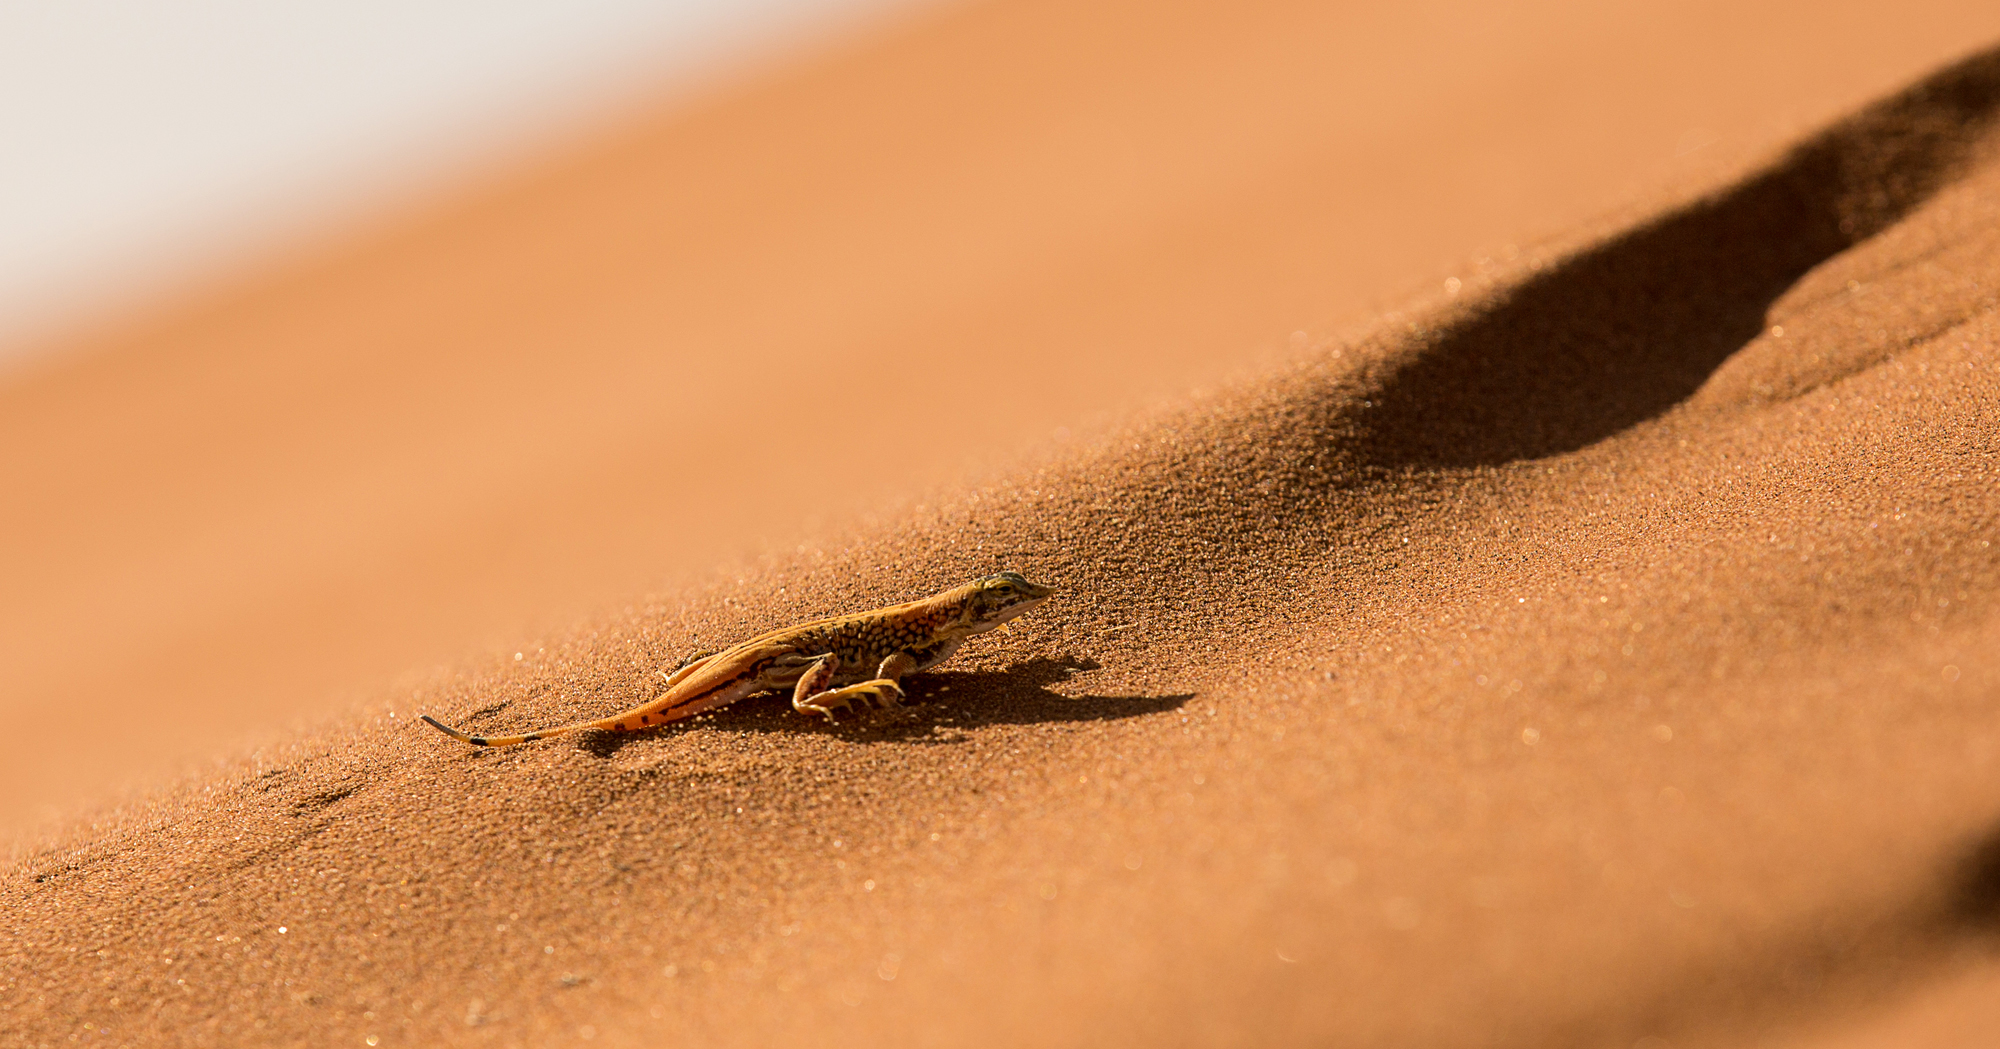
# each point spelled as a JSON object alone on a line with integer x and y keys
{"x": 1598, "y": 649}
{"x": 492, "y": 415}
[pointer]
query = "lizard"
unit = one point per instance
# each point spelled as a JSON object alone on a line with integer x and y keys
{"x": 828, "y": 664}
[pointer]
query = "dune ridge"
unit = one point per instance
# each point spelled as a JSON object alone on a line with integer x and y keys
{"x": 1629, "y": 328}
{"x": 1603, "y": 652}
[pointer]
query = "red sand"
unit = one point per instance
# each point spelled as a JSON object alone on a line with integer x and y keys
{"x": 1598, "y": 651}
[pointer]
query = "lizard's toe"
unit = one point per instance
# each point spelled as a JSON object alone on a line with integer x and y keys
{"x": 824, "y": 705}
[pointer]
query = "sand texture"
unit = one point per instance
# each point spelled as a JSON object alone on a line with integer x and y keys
{"x": 1598, "y": 648}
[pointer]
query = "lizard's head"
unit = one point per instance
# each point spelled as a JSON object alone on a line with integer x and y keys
{"x": 999, "y": 598}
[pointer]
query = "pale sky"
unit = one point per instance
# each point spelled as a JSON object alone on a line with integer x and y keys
{"x": 147, "y": 146}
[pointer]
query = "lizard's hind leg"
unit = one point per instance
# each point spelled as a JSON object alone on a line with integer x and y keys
{"x": 813, "y": 696}
{"x": 693, "y": 664}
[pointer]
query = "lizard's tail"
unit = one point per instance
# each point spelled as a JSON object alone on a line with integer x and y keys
{"x": 646, "y": 716}
{"x": 658, "y": 711}
{"x": 505, "y": 741}
{"x": 667, "y": 706}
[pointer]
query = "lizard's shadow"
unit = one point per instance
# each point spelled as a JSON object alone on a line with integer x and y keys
{"x": 939, "y": 702}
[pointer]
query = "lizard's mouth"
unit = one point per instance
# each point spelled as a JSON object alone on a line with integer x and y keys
{"x": 1010, "y": 614}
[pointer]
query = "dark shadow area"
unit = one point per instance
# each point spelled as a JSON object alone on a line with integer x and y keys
{"x": 1973, "y": 900}
{"x": 947, "y": 700}
{"x": 1621, "y": 332}
{"x": 1020, "y": 695}
{"x": 603, "y": 743}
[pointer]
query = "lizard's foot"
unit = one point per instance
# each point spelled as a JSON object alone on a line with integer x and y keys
{"x": 880, "y": 693}
{"x": 824, "y": 703}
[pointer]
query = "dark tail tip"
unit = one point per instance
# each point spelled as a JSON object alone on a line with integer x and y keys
{"x": 452, "y": 732}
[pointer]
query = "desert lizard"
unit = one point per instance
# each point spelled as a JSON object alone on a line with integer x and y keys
{"x": 828, "y": 663}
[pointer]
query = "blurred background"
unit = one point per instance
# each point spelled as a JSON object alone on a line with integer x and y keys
{"x": 341, "y": 341}
{"x": 153, "y": 144}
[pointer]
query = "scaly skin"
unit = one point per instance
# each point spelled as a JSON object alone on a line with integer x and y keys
{"x": 829, "y": 664}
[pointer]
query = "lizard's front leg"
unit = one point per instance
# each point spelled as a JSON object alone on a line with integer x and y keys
{"x": 813, "y": 696}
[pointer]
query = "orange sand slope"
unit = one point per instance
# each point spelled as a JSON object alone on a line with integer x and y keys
{"x": 578, "y": 381}
{"x": 1603, "y": 653}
